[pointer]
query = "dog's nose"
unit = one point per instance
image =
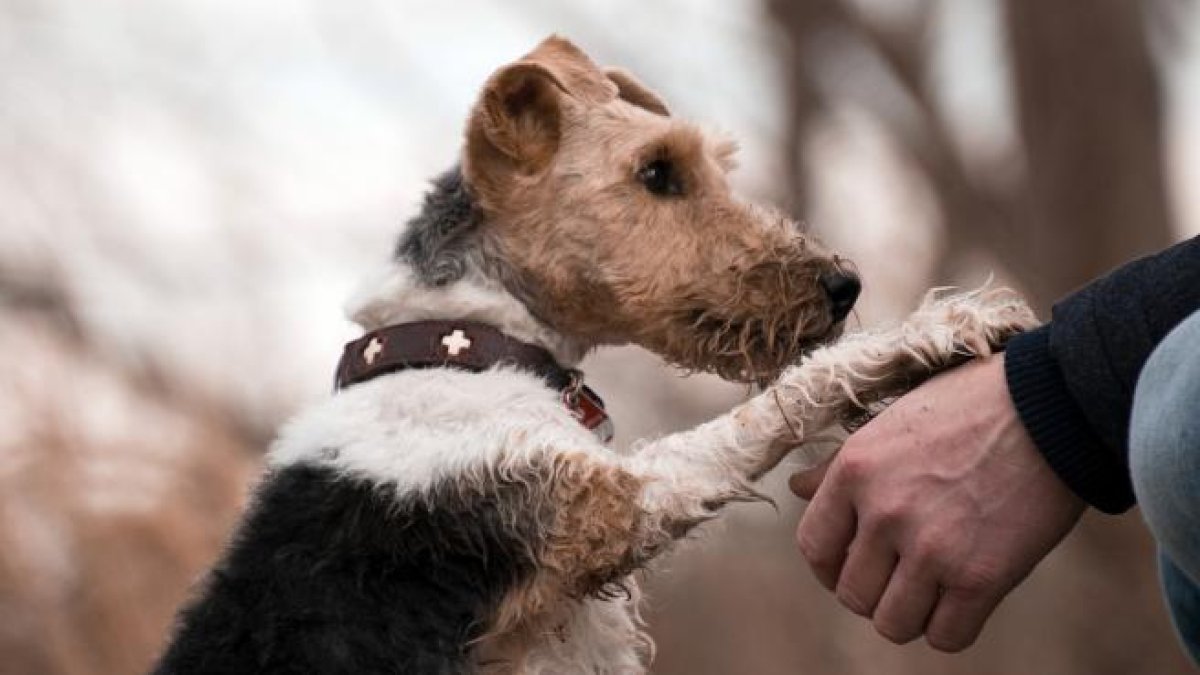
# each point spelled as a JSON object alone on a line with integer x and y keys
{"x": 843, "y": 290}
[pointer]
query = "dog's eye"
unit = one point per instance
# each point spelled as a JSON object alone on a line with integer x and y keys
{"x": 660, "y": 178}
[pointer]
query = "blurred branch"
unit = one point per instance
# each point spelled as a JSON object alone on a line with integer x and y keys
{"x": 976, "y": 216}
{"x": 46, "y": 297}
{"x": 803, "y": 24}
{"x": 1090, "y": 122}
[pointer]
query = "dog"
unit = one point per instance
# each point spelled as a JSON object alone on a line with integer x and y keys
{"x": 454, "y": 507}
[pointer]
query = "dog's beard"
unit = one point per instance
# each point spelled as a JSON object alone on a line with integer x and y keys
{"x": 747, "y": 323}
{"x": 752, "y": 325}
{"x": 750, "y": 349}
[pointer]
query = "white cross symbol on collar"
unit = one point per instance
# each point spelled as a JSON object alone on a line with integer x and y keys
{"x": 456, "y": 342}
{"x": 374, "y": 347}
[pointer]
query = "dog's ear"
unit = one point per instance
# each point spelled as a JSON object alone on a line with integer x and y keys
{"x": 576, "y": 72}
{"x": 518, "y": 120}
{"x": 516, "y": 126}
{"x": 632, "y": 90}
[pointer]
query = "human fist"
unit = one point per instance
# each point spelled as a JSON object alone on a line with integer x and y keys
{"x": 932, "y": 512}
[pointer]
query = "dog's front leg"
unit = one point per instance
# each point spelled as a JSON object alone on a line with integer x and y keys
{"x": 610, "y": 517}
{"x": 689, "y": 475}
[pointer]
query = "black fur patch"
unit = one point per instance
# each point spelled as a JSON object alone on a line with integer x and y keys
{"x": 439, "y": 241}
{"x": 332, "y": 575}
{"x": 445, "y": 240}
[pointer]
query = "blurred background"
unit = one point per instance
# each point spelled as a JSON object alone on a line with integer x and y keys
{"x": 190, "y": 188}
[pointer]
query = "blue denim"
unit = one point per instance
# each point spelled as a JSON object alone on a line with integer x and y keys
{"x": 1164, "y": 460}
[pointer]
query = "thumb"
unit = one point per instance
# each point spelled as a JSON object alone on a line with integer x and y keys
{"x": 805, "y": 483}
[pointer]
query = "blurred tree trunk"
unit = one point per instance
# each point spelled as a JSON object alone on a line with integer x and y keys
{"x": 1090, "y": 112}
{"x": 803, "y": 23}
{"x": 1089, "y": 109}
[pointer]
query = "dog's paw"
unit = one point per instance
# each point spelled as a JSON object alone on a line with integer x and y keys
{"x": 1005, "y": 314}
{"x": 976, "y": 323}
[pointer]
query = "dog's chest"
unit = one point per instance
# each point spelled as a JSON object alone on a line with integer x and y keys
{"x": 415, "y": 428}
{"x": 590, "y": 636}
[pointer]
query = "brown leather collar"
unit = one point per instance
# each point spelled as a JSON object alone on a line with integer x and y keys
{"x": 472, "y": 346}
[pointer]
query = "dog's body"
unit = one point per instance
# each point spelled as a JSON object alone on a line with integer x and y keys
{"x": 437, "y": 520}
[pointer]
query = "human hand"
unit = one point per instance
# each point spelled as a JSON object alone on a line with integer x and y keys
{"x": 935, "y": 510}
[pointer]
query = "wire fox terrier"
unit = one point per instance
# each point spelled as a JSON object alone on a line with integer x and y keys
{"x": 451, "y": 509}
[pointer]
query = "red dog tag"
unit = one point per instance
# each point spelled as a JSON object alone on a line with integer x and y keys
{"x": 587, "y": 407}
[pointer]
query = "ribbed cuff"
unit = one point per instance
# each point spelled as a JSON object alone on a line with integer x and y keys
{"x": 1058, "y": 426}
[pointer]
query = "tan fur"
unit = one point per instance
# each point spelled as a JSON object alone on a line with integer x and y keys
{"x": 592, "y": 534}
{"x": 597, "y": 525}
{"x": 707, "y": 281}
{"x": 592, "y": 527}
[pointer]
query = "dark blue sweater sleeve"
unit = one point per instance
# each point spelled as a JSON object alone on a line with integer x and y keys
{"x": 1072, "y": 380}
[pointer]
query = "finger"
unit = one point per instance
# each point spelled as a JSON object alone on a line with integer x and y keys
{"x": 826, "y": 530}
{"x": 865, "y": 575}
{"x": 805, "y": 483}
{"x": 903, "y": 611}
{"x": 959, "y": 617}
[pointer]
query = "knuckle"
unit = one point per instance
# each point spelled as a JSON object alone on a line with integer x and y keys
{"x": 930, "y": 552}
{"x": 817, "y": 556}
{"x": 969, "y": 590}
{"x": 855, "y": 466}
{"x": 893, "y": 631}
{"x": 889, "y": 514}
{"x": 975, "y": 581}
{"x": 807, "y": 547}
{"x": 850, "y": 600}
{"x": 949, "y": 642}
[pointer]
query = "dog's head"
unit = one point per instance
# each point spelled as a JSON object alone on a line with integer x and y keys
{"x": 616, "y": 223}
